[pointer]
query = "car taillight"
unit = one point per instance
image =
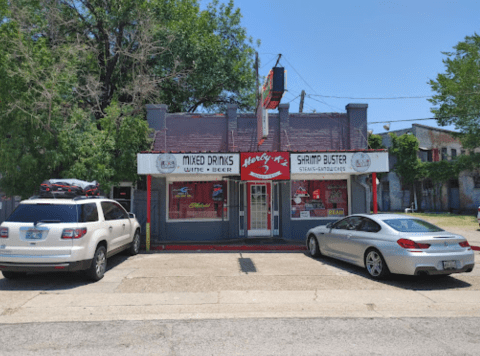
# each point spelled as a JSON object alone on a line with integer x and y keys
{"x": 464, "y": 244}
{"x": 4, "y": 232}
{"x": 74, "y": 233}
{"x": 409, "y": 244}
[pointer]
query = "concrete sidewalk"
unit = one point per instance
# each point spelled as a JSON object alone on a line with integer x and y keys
{"x": 176, "y": 285}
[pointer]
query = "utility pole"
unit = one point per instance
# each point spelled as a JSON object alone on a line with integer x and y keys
{"x": 302, "y": 99}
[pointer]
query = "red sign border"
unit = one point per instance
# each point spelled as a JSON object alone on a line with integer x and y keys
{"x": 274, "y": 164}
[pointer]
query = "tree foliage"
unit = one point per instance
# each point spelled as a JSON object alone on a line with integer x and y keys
{"x": 76, "y": 76}
{"x": 375, "y": 142}
{"x": 457, "y": 91}
{"x": 408, "y": 166}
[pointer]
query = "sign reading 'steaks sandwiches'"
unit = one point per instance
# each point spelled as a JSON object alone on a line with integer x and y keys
{"x": 189, "y": 163}
{"x": 339, "y": 162}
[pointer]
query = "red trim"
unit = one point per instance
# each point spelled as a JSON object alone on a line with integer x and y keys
{"x": 229, "y": 248}
{"x": 149, "y": 197}
{"x": 264, "y": 166}
{"x": 239, "y": 248}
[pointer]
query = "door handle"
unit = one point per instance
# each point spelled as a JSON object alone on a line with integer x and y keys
{"x": 123, "y": 226}
{"x": 110, "y": 228}
{"x": 349, "y": 235}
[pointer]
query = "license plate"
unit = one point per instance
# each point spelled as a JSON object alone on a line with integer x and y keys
{"x": 449, "y": 264}
{"x": 33, "y": 235}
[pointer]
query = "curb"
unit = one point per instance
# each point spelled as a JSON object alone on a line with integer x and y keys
{"x": 229, "y": 248}
{"x": 239, "y": 248}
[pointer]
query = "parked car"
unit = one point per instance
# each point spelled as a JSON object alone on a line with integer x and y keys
{"x": 390, "y": 243}
{"x": 46, "y": 234}
{"x": 478, "y": 215}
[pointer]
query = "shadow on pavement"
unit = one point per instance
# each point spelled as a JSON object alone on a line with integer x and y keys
{"x": 415, "y": 283}
{"x": 55, "y": 280}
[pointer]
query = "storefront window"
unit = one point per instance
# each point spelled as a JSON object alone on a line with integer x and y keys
{"x": 197, "y": 200}
{"x": 319, "y": 198}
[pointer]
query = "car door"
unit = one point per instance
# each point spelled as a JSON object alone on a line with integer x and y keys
{"x": 338, "y": 234}
{"x": 356, "y": 241}
{"x": 118, "y": 224}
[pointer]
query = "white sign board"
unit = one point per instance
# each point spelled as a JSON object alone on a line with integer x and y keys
{"x": 189, "y": 163}
{"x": 339, "y": 162}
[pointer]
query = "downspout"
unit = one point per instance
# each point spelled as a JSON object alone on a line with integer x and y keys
{"x": 359, "y": 179}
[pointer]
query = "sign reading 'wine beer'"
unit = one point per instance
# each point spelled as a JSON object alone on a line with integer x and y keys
{"x": 265, "y": 166}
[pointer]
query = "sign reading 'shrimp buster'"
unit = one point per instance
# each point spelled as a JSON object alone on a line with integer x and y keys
{"x": 339, "y": 162}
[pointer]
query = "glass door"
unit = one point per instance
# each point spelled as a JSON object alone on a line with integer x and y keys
{"x": 259, "y": 209}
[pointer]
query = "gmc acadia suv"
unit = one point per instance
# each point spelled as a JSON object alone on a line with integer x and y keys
{"x": 46, "y": 234}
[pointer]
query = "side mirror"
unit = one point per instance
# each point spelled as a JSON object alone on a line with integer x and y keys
{"x": 329, "y": 225}
{"x": 131, "y": 215}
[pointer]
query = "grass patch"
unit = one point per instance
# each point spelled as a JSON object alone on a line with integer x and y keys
{"x": 447, "y": 219}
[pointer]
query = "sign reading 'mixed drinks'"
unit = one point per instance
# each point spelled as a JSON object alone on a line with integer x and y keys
{"x": 189, "y": 163}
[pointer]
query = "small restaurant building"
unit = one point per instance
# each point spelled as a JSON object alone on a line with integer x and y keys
{"x": 213, "y": 178}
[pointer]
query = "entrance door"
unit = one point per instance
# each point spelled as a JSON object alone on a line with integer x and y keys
{"x": 259, "y": 209}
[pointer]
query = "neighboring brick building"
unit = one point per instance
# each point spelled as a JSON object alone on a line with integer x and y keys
{"x": 211, "y": 181}
{"x": 462, "y": 194}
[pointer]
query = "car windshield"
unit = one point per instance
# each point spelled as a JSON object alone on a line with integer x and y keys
{"x": 411, "y": 225}
{"x": 58, "y": 213}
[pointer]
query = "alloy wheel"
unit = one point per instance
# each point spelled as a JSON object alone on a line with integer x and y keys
{"x": 374, "y": 264}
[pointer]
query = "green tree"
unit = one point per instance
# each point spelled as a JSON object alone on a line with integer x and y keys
{"x": 407, "y": 165}
{"x": 76, "y": 76}
{"x": 441, "y": 172}
{"x": 457, "y": 95}
{"x": 375, "y": 142}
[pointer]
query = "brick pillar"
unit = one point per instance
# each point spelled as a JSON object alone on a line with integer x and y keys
{"x": 232, "y": 126}
{"x": 357, "y": 126}
{"x": 284, "y": 118}
{"x": 157, "y": 116}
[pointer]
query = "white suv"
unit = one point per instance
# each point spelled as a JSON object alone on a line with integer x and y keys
{"x": 46, "y": 234}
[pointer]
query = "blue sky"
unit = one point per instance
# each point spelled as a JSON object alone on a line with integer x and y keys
{"x": 360, "y": 49}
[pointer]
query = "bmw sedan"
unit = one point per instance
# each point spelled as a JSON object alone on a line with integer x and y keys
{"x": 390, "y": 243}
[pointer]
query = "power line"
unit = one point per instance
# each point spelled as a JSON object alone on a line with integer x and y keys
{"x": 271, "y": 60}
{"x": 390, "y": 98}
{"x": 299, "y": 74}
{"x": 324, "y": 103}
{"x": 431, "y": 118}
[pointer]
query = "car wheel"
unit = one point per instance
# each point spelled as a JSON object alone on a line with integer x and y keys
{"x": 13, "y": 275}
{"x": 99, "y": 264}
{"x": 313, "y": 247}
{"x": 135, "y": 246}
{"x": 375, "y": 264}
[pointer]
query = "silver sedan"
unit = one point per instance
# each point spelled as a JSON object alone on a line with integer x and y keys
{"x": 390, "y": 243}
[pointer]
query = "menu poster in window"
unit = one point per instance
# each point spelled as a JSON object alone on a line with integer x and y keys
{"x": 197, "y": 200}
{"x": 313, "y": 199}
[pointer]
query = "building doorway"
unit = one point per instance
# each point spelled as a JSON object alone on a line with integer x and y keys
{"x": 259, "y": 204}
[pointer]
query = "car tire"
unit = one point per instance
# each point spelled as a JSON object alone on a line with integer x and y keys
{"x": 313, "y": 246}
{"x": 375, "y": 264}
{"x": 99, "y": 264}
{"x": 135, "y": 246}
{"x": 13, "y": 275}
